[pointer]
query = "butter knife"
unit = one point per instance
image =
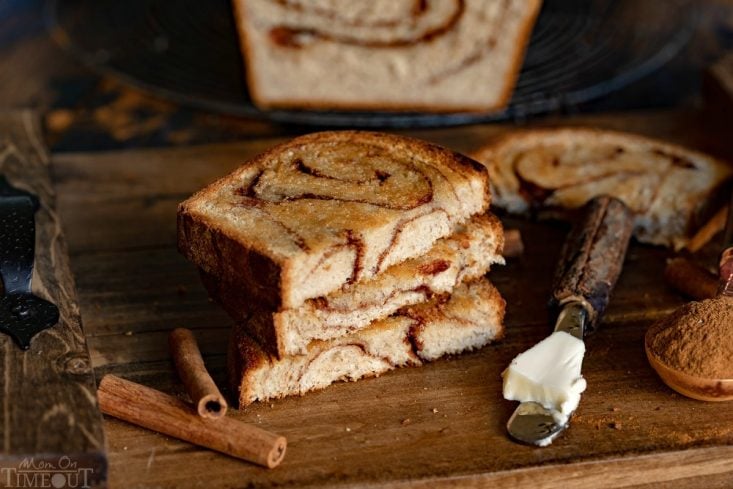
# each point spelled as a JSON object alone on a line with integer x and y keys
{"x": 590, "y": 264}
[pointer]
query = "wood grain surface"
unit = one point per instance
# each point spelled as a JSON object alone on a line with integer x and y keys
{"x": 48, "y": 403}
{"x": 439, "y": 425}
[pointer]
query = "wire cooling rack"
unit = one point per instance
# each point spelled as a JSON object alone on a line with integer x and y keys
{"x": 187, "y": 51}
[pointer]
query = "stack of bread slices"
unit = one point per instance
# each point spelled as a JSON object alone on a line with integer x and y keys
{"x": 342, "y": 255}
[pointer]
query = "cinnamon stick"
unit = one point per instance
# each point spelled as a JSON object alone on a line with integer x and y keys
{"x": 708, "y": 230}
{"x": 690, "y": 278}
{"x": 154, "y": 410}
{"x": 513, "y": 245}
{"x": 190, "y": 367}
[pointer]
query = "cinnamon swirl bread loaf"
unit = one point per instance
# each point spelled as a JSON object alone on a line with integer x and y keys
{"x": 465, "y": 255}
{"x": 435, "y": 55}
{"x": 326, "y": 210}
{"x": 665, "y": 185}
{"x": 468, "y": 319}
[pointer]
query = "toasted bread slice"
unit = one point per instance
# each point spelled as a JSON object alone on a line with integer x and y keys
{"x": 325, "y": 210}
{"x": 469, "y": 318}
{"x": 666, "y": 186}
{"x": 465, "y": 255}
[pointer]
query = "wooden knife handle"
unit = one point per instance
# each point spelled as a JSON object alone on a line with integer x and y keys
{"x": 592, "y": 257}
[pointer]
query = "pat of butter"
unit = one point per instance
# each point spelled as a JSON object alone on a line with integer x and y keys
{"x": 549, "y": 374}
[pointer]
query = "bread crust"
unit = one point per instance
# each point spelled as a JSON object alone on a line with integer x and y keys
{"x": 246, "y": 51}
{"x": 219, "y": 252}
{"x": 509, "y": 138}
{"x": 520, "y": 50}
{"x": 505, "y": 91}
{"x": 268, "y": 275}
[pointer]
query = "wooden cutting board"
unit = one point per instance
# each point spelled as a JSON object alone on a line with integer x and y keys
{"x": 442, "y": 424}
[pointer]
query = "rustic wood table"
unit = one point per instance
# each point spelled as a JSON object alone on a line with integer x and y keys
{"x": 442, "y": 424}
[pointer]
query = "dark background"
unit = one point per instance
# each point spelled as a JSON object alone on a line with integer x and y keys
{"x": 85, "y": 111}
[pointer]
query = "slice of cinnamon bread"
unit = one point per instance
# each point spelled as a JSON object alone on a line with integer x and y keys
{"x": 468, "y": 319}
{"x": 326, "y": 210}
{"x": 435, "y": 55}
{"x": 665, "y": 185}
{"x": 465, "y": 255}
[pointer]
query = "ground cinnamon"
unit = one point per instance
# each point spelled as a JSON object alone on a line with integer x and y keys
{"x": 697, "y": 339}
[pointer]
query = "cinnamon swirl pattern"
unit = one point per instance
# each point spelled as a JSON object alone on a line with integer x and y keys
{"x": 439, "y": 54}
{"x": 326, "y": 210}
{"x": 389, "y": 24}
{"x": 468, "y": 319}
{"x": 666, "y": 186}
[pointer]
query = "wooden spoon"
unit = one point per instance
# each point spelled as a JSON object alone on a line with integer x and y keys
{"x": 702, "y": 388}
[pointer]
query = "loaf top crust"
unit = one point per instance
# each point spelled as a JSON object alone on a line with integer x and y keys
{"x": 665, "y": 185}
{"x": 330, "y": 208}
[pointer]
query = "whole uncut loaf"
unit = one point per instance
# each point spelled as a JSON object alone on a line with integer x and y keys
{"x": 666, "y": 186}
{"x": 326, "y": 210}
{"x": 468, "y": 319}
{"x": 436, "y": 55}
{"x": 465, "y": 255}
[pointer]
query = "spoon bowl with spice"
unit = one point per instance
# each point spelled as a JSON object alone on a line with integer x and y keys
{"x": 692, "y": 349}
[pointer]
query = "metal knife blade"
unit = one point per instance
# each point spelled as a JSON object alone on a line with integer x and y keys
{"x": 532, "y": 423}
